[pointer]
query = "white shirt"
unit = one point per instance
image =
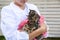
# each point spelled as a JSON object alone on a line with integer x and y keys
{"x": 11, "y": 16}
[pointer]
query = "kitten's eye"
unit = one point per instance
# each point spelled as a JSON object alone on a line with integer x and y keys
{"x": 27, "y": 30}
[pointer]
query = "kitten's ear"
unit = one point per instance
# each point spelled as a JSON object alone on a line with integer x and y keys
{"x": 30, "y": 9}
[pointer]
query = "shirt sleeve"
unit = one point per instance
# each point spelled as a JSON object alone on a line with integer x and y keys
{"x": 9, "y": 26}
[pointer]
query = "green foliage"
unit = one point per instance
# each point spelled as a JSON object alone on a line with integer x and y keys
{"x": 2, "y": 38}
{"x": 49, "y": 38}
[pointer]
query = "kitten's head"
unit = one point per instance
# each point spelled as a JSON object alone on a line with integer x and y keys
{"x": 33, "y": 16}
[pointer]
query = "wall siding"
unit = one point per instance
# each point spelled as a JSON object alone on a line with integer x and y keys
{"x": 50, "y": 9}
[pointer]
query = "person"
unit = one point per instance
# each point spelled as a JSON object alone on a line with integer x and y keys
{"x": 12, "y": 15}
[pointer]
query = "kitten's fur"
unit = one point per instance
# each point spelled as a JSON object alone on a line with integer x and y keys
{"x": 33, "y": 19}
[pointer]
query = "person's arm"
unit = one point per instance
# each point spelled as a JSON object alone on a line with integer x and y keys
{"x": 37, "y": 32}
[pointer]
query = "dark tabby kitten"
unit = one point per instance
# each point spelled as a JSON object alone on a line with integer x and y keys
{"x": 33, "y": 19}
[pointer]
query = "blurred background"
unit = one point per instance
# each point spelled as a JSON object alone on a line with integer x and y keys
{"x": 50, "y": 9}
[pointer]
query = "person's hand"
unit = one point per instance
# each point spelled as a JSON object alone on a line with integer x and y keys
{"x": 40, "y": 30}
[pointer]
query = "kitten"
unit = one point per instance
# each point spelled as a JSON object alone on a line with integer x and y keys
{"x": 33, "y": 23}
